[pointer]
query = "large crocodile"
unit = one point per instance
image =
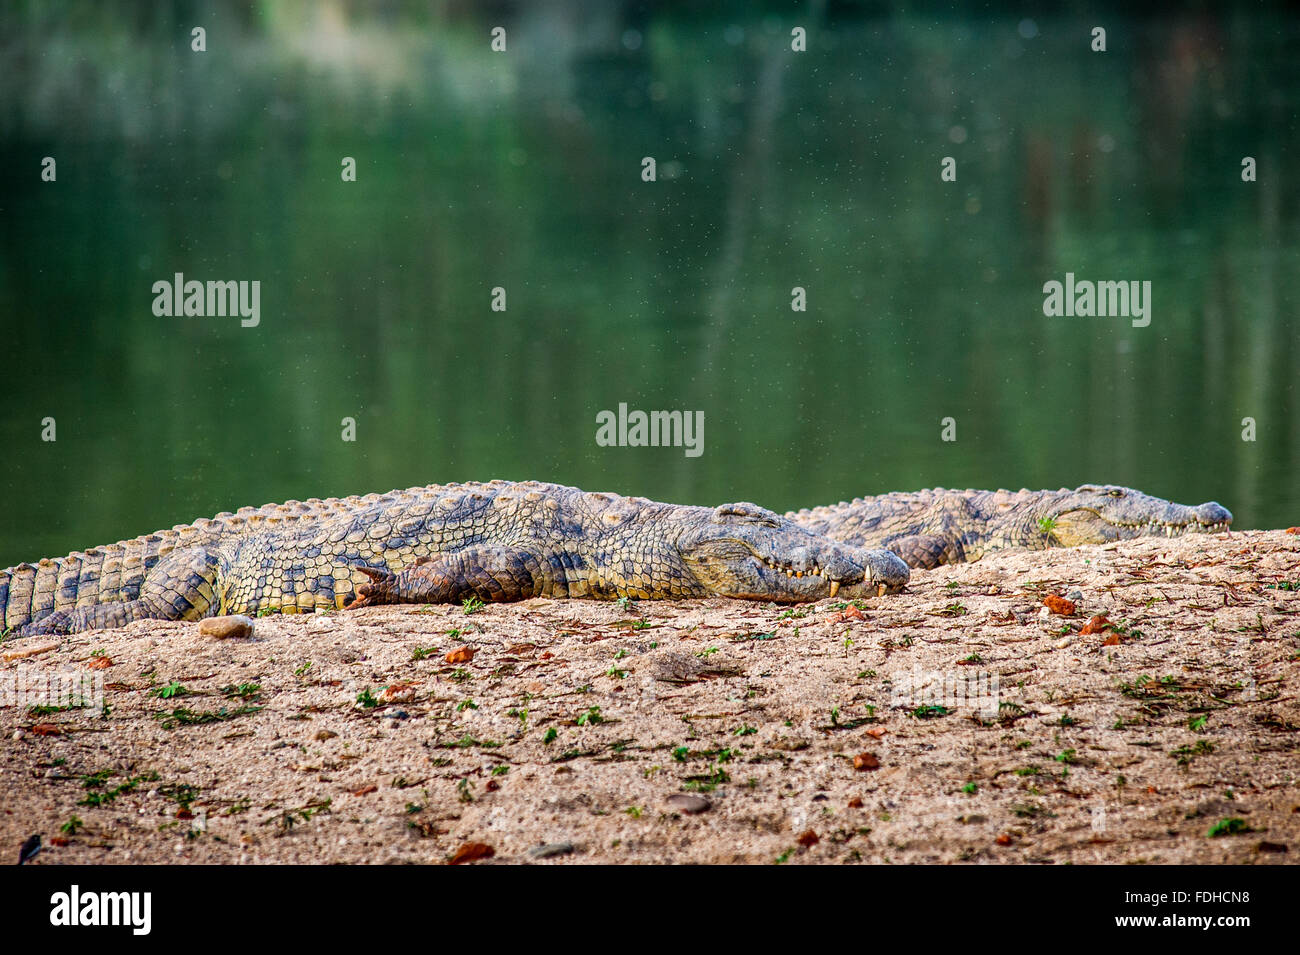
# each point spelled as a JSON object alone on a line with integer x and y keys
{"x": 938, "y": 526}
{"x": 497, "y": 541}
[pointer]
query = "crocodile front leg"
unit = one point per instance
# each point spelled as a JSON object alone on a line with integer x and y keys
{"x": 181, "y": 586}
{"x": 491, "y": 573}
{"x": 927, "y": 551}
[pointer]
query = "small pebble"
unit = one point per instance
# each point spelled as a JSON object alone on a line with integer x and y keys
{"x": 232, "y": 627}
{"x": 551, "y": 849}
{"x": 688, "y": 803}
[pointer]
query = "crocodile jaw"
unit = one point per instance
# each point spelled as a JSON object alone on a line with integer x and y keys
{"x": 1086, "y": 526}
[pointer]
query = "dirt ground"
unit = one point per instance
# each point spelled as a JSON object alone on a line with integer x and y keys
{"x": 961, "y": 721}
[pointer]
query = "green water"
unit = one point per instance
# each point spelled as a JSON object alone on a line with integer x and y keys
{"x": 522, "y": 170}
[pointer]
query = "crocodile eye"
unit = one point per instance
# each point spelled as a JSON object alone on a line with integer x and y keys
{"x": 1115, "y": 492}
{"x": 746, "y": 512}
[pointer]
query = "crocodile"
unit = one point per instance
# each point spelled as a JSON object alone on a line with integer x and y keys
{"x": 939, "y": 526}
{"x": 497, "y": 541}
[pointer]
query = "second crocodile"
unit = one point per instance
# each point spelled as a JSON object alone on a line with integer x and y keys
{"x": 938, "y": 526}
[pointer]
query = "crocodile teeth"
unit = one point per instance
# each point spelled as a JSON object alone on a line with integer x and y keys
{"x": 835, "y": 587}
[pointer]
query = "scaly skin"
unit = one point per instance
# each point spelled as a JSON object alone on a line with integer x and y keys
{"x": 498, "y": 541}
{"x": 929, "y": 528}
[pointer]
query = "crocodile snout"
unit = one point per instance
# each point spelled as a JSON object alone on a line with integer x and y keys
{"x": 1213, "y": 513}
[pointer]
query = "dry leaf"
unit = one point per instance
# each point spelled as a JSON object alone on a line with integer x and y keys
{"x": 29, "y": 651}
{"x": 398, "y": 693}
{"x": 366, "y": 790}
{"x": 461, "y": 655}
{"x": 100, "y": 663}
{"x": 865, "y": 761}
{"x": 1059, "y": 605}
{"x": 471, "y": 851}
{"x": 1095, "y": 625}
{"x": 808, "y": 839}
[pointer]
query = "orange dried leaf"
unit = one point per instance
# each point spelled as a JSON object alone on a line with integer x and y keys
{"x": 865, "y": 761}
{"x": 471, "y": 851}
{"x": 100, "y": 663}
{"x": 1095, "y": 625}
{"x": 398, "y": 693}
{"x": 461, "y": 655}
{"x": 1059, "y": 605}
{"x": 808, "y": 839}
{"x": 365, "y": 790}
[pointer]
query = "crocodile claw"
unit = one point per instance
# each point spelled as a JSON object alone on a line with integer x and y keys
{"x": 381, "y": 585}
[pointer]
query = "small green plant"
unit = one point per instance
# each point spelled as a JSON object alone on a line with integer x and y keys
{"x": 970, "y": 789}
{"x": 180, "y": 716}
{"x": 472, "y": 605}
{"x": 550, "y": 735}
{"x": 590, "y": 716}
{"x": 1047, "y": 524}
{"x": 1197, "y": 723}
{"x": 464, "y": 705}
{"x": 302, "y": 670}
{"x": 616, "y": 673}
{"x": 744, "y": 730}
{"x": 1228, "y": 827}
{"x": 70, "y": 827}
{"x": 244, "y": 691}
{"x": 926, "y": 712}
{"x": 169, "y": 691}
{"x": 421, "y": 653}
{"x": 1185, "y": 754}
{"x": 366, "y": 699}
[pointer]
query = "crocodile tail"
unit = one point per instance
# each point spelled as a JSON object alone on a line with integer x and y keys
{"x": 20, "y": 599}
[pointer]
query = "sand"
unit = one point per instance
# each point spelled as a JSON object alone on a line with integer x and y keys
{"x": 961, "y": 721}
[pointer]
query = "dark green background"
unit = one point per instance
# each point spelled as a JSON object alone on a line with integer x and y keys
{"x": 522, "y": 170}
